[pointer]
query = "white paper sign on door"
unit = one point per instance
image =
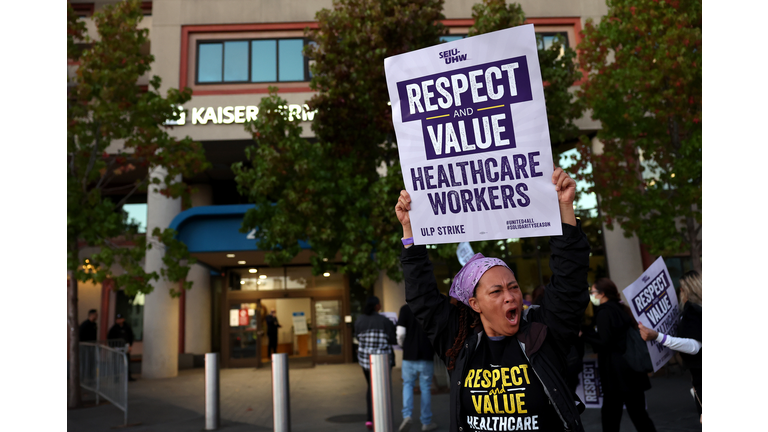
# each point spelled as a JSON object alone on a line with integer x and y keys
{"x": 300, "y": 323}
{"x": 652, "y": 301}
{"x": 473, "y": 138}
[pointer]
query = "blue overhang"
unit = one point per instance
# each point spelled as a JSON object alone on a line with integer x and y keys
{"x": 216, "y": 229}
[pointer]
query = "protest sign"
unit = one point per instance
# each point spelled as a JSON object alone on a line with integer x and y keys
{"x": 473, "y": 138}
{"x": 589, "y": 389}
{"x": 653, "y": 302}
{"x": 464, "y": 252}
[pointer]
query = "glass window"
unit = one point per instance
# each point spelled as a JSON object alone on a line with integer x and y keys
{"x": 329, "y": 279}
{"x": 327, "y": 313}
{"x": 268, "y": 279}
{"x": 677, "y": 267}
{"x": 298, "y": 278}
{"x": 545, "y": 40}
{"x": 132, "y": 308}
{"x": 236, "y": 61}
{"x": 263, "y": 61}
{"x": 209, "y": 61}
{"x": 328, "y": 342}
{"x": 257, "y": 61}
{"x": 137, "y": 214}
{"x": 242, "y": 334}
{"x": 451, "y": 38}
{"x": 291, "y": 60}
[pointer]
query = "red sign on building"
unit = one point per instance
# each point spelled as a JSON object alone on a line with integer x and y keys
{"x": 244, "y": 317}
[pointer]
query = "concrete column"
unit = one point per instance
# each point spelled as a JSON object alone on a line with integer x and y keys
{"x": 392, "y": 296}
{"x": 625, "y": 262}
{"x": 197, "y": 318}
{"x": 161, "y": 311}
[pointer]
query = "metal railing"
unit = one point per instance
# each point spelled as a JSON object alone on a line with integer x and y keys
{"x": 104, "y": 371}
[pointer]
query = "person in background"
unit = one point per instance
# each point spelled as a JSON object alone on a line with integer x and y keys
{"x": 418, "y": 362}
{"x": 272, "y": 326}
{"x": 88, "y": 329}
{"x": 538, "y": 295}
{"x": 527, "y": 300}
{"x": 122, "y": 330}
{"x": 688, "y": 342}
{"x": 376, "y": 335}
{"x": 621, "y": 384}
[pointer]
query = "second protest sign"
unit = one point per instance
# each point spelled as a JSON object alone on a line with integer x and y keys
{"x": 473, "y": 139}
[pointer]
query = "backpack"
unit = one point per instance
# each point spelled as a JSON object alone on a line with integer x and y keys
{"x": 637, "y": 355}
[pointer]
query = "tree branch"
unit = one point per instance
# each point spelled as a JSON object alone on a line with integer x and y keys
{"x": 106, "y": 175}
{"x": 135, "y": 188}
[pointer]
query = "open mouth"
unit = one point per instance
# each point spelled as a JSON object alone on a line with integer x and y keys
{"x": 512, "y": 316}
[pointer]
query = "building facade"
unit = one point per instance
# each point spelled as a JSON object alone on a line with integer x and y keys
{"x": 229, "y": 53}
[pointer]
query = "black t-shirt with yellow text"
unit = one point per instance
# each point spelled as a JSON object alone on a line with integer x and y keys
{"x": 502, "y": 393}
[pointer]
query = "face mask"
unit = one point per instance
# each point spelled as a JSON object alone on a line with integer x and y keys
{"x": 595, "y": 301}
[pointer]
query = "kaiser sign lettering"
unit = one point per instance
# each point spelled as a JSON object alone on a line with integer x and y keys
{"x": 238, "y": 114}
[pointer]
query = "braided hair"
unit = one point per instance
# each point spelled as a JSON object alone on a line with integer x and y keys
{"x": 468, "y": 320}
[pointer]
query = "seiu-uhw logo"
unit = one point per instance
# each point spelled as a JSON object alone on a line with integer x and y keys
{"x": 452, "y": 56}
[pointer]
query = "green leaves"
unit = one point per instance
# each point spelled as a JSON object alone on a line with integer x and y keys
{"x": 644, "y": 85}
{"x": 559, "y": 69}
{"x": 107, "y": 110}
{"x": 337, "y": 192}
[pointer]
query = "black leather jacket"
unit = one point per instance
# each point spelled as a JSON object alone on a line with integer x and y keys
{"x": 545, "y": 335}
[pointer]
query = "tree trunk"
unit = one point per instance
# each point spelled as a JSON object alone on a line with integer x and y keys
{"x": 74, "y": 398}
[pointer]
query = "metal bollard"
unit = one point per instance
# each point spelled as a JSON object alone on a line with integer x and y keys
{"x": 281, "y": 403}
{"x": 381, "y": 394}
{"x": 211, "y": 391}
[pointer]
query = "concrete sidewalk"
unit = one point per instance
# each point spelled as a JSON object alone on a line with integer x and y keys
{"x": 323, "y": 398}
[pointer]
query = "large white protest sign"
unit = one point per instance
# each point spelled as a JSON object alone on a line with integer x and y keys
{"x": 473, "y": 138}
{"x": 653, "y": 303}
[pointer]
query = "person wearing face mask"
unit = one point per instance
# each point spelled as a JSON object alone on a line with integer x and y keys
{"x": 507, "y": 364}
{"x": 621, "y": 384}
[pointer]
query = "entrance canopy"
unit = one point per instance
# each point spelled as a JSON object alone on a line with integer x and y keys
{"x": 212, "y": 235}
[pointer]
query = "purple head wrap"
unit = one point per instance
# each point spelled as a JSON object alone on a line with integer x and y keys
{"x": 466, "y": 279}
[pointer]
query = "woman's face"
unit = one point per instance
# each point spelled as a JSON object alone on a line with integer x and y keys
{"x": 499, "y": 302}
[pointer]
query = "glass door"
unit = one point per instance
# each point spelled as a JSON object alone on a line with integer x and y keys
{"x": 244, "y": 340}
{"x": 328, "y": 332}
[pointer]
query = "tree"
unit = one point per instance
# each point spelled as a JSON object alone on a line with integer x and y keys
{"x": 338, "y": 192}
{"x": 644, "y": 66}
{"x": 559, "y": 69}
{"x": 108, "y": 110}
{"x": 559, "y": 72}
